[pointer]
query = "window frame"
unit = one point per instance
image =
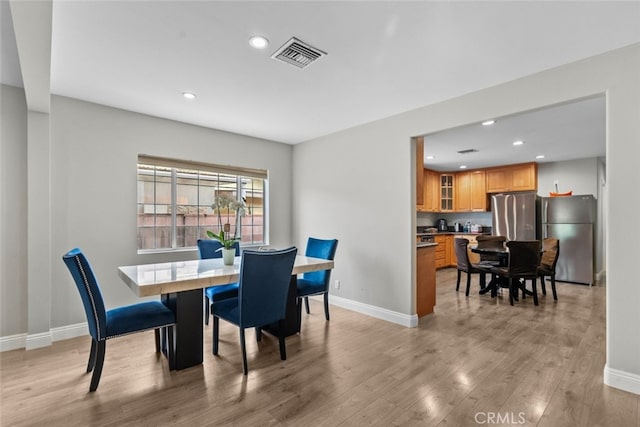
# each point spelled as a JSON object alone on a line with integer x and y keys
{"x": 175, "y": 165}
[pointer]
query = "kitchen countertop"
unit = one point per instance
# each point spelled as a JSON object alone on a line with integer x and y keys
{"x": 425, "y": 244}
{"x": 444, "y": 233}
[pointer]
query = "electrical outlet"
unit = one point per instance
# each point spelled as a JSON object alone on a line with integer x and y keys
{"x": 555, "y": 182}
{"x": 336, "y": 284}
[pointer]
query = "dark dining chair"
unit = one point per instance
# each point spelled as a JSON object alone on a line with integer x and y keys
{"x": 524, "y": 257}
{"x": 262, "y": 297}
{"x": 317, "y": 282}
{"x": 213, "y": 249}
{"x": 107, "y": 324}
{"x": 464, "y": 264}
{"x": 548, "y": 261}
{"x": 490, "y": 242}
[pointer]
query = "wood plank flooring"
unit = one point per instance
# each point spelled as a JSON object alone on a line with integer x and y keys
{"x": 476, "y": 361}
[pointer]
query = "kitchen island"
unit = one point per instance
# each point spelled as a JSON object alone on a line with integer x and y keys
{"x": 425, "y": 278}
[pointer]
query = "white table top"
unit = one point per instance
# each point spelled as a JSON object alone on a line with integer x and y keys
{"x": 156, "y": 279}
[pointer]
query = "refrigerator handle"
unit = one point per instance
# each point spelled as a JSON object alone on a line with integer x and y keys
{"x": 545, "y": 206}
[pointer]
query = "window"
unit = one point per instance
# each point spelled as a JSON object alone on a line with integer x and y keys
{"x": 175, "y": 198}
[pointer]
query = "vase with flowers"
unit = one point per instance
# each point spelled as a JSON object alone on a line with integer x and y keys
{"x": 228, "y": 205}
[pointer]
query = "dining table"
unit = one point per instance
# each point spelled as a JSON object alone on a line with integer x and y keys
{"x": 180, "y": 286}
{"x": 496, "y": 281}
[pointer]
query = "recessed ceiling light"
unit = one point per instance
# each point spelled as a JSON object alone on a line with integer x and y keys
{"x": 189, "y": 95}
{"x": 488, "y": 122}
{"x": 463, "y": 166}
{"x": 258, "y": 42}
{"x": 518, "y": 142}
{"x": 541, "y": 156}
{"x": 431, "y": 157}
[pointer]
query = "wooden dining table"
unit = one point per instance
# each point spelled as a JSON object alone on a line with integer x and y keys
{"x": 180, "y": 285}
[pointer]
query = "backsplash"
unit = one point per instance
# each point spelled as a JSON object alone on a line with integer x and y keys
{"x": 425, "y": 219}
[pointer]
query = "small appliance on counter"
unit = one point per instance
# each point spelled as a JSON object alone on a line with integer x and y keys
{"x": 457, "y": 227}
{"x": 476, "y": 228}
{"x": 442, "y": 225}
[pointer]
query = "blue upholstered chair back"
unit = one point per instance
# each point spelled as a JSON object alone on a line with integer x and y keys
{"x": 209, "y": 248}
{"x": 264, "y": 285}
{"x": 89, "y": 289}
{"x": 325, "y": 249}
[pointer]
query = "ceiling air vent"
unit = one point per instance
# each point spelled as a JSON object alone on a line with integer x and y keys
{"x": 467, "y": 151}
{"x": 298, "y": 53}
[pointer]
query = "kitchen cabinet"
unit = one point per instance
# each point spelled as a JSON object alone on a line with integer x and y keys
{"x": 443, "y": 250}
{"x": 419, "y": 172}
{"x": 471, "y": 194}
{"x": 425, "y": 280}
{"x": 451, "y": 259}
{"x": 474, "y": 258}
{"x": 431, "y": 191}
{"x": 463, "y": 192}
{"x": 478, "y": 192}
{"x": 446, "y": 192}
{"x": 440, "y": 252}
{"x": 520, "y": 177}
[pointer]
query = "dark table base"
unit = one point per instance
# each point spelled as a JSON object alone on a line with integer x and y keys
{"x": 187, "y": 306}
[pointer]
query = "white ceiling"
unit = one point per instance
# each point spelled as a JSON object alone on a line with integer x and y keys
{"x": 383, "y": 58}
{"x": 561, "y": 132}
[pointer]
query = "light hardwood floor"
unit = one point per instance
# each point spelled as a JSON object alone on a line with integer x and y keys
{"x": 476, "y": 361}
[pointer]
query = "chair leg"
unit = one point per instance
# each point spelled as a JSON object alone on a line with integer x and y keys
{"x": 206, "y": 310}
{"x": 171, "y": 353}
{"x": 258, "y": 333}
{"x": 216, "y": 324}
{"x": 535, "y": 291}
{"x": 468, "y": 284}
{"x": 483, "y": 280}
{"x": 156, "y": 332}
{"x": 97, "y": 370}
{"x": 553, "y": 287}
{"x": 326, "y": 305}
{"x": 510, "y": 291}
{"x": 92, "y": 356}
{"x": 458, "y": 281}
{"x": 542, "y": 285}
{"x": 245, "y": 369}
{"x": 283, "y": 350}
{"x": 306, "y": 304}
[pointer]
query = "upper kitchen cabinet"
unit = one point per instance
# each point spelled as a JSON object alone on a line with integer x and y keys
{"x": 431, "y": 191}
{"x": 419, "y": 173}
{"x": 520, "y": 177}
{"x": 471, "y": 193}
{"x": 446, "y": 192}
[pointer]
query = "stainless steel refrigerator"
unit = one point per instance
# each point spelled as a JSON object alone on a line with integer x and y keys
{"x": 516, "y": 215}
{"x": 572, "y": 221}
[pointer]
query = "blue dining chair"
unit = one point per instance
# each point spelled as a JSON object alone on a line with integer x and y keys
{"x": 262, "y": 297}
{"x": 107, "y": 324}
{"x": 317, "y": 282}
{"x": 211, "y": 249}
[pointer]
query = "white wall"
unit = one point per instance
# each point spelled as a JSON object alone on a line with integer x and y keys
{"x": 579, "y": 176}
{"x": 94, "y": 152}
{"x": 376, "y": 219}
{"x": 13, "y": 218}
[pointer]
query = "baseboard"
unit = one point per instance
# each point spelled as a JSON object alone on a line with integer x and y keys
{"x": 622, "y": 380}
{"x": 44, "y": 339}
{"x": 410, "y": 321}
{"x": 70, "y": 331}
{"x": 13, "y": 342}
